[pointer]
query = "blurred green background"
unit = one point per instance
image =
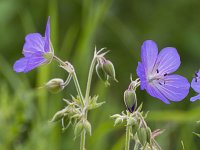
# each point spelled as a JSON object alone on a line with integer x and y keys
{"x": 76, "y": 27}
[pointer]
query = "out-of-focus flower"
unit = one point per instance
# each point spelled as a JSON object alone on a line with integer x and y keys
{"x": 155, "y": 70}
{"x": 196, "y": 86}
{"x": 37, "y": 50}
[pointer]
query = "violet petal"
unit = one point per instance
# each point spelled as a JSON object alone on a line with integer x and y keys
{"x": 195, "y": 85}
{"x": 34, "y": 42}
{"x": 28, "y": 63}
{"x": 20, "y": 64}
{"x": 175, "y": 87}
{"x": 149, "y": 53}
{"x": 141, "y": 74}
{"x": 192, "y": 99}
{"x": 154, "y": 92}
{"x": 47, "y": 37}
{"x": 168, "y": 61}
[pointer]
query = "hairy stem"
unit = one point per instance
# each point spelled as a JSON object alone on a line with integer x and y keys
{"x": 128, "y": 134}
{"x": 82, "y": 142}
{"x": 78, "y": 87}
{"x": 87, "y": 93}
{"x": 73, "y": 74}
{"x": 128, "y": 128}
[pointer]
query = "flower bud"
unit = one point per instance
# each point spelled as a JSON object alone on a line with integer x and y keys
{"x": 115, "y": 116}
{"x": 108, "y": 67}
{"x": 78, "y": 128}
{"x": 87, "y": 126}
{"x": 142, "y": 135}
{"x": 100, "y": 72}
{"x": 55, "y": 85}
{"x": 58, "y": 116}
{"x": 118, "y": 121}
{"x": 148, "y": 131}
{"x": 130, "y": 100}
{"x": 135, "y": 128}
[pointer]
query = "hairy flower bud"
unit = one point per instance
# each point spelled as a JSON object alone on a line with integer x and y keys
{"x": 58, "y": 116}
{"x": 130, "y": 100}
{"x": 135, "y": 128}
{"x": 100, "y": 72}
{"x": 78, "y": 128}
{"x": 108, "y": 67}
{"x": 148, "y": 131}
{"x": 87, "y": 126}
{"x": 118, "y": 121}
{"x": 142, "y": 135}
{"x": 55, "y": 85}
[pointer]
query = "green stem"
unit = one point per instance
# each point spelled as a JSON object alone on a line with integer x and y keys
{"x": 82, "y": 142}
{"x": 128, "y": 129}
{"x": 78, "y": 87}
{"x": 136, "y": 145}
{"x": 128, "y": 134}
{"x": 90, "y": 78}
{"x": 74, "y": 78}
{"x": 67, "y": 80}
{"x": 87, "y": 93}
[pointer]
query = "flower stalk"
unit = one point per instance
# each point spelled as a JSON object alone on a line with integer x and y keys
{"x": 128, "y": 134}
{"x": 69, "y": 68}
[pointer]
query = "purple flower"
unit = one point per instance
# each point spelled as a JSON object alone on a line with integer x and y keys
{"x": 196, "y": 86}
{"x": 37, "y": 51}
{"x": 155, "y": 70}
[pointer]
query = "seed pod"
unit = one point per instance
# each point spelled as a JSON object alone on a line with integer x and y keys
{"x": 148, "y": 131}
{"x": 142, "y": 135}
{"x": 108, "y": 67}
{"x": 100, "y": 72}
{"x": 78, "y": 128}
{"x": 55, "y": 85}
{"x": 134, "y": 129}
{"x": 87, "y": 126}
{"x": 130, "y": 100}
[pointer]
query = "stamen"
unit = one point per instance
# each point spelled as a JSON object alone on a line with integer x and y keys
{"x": 196, "y": 75}
{"x": 157, "y": 70}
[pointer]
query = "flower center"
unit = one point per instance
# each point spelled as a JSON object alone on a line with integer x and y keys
{"x": 156, "y": 76}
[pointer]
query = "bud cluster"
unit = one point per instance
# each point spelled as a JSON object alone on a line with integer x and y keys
{"x": 93, "y": 104}
{"x": 105, "y": 68}
{"x": 81, "y": 125}
{"x": 72, "y": 111}
{"x": 73, "y": 114}
{"x": 139, "y": 129}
